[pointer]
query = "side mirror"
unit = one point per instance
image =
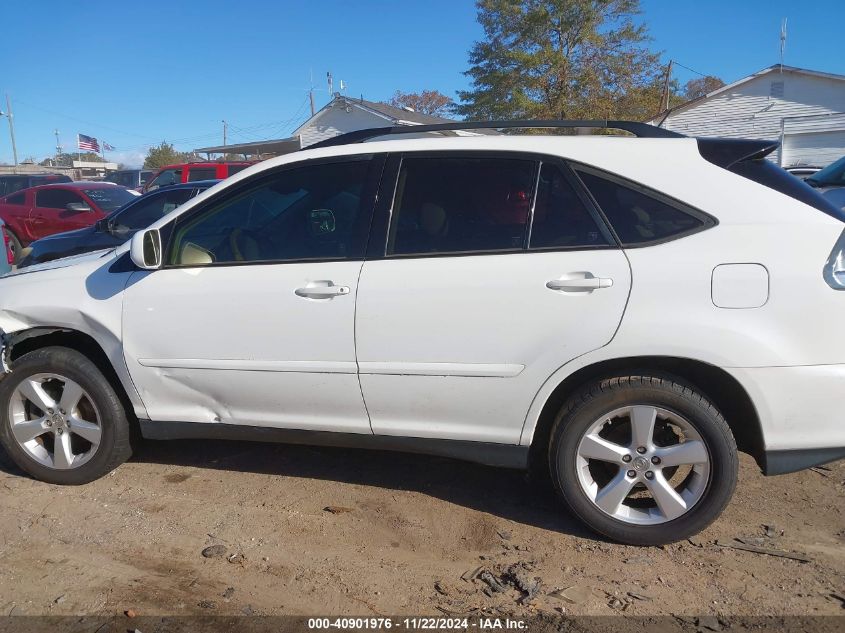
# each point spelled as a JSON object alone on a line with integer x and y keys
{"x": 145, "y": 249}
{"x": 78, "y": 207}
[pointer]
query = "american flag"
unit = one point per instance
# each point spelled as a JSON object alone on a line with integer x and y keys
{"x": 107, "y": 147}
{"x": 87, "y": 142}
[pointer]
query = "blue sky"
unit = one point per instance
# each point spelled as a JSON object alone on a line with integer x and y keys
{"x": 136, "y": 73}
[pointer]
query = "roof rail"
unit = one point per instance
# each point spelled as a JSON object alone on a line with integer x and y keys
{"x": 642, "y": 130}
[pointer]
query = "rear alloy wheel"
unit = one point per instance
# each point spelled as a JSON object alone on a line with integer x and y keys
{"x": 643, "y": 459}
{"x": 60, "y": 419}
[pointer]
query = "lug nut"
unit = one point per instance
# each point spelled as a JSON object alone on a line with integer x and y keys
{"x": 49, "y": 423}
{"x": 626, "y": 458}
{"x": 641, "y": 449}
{"x": 649, "y": 474}
{"x": 50, "y": 411}
{"x": 632, "y": 474}
{"x": 60, "y": 431}
{"x": 655, "y": 460}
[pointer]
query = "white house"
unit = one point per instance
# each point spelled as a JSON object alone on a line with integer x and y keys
{"x": 803, "y": 109}
{"x": 340, "y": 115}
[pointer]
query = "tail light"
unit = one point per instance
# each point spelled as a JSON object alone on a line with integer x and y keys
{"x": 834, "y": 268}
{"x": 10, "y": 256}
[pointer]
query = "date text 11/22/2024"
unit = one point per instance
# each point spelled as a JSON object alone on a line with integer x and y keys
{"x": 418, "y": 623}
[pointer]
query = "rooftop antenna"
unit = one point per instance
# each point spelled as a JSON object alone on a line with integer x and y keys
{"x": 342, "y": 86}
{"x": 331, "y": 84}
{"x": 782, "y": 42}
{"x": 58, "y": 145}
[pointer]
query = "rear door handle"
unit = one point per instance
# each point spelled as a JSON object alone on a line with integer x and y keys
{"x": 581, "y": 284}
{"x": 321, "y": 290}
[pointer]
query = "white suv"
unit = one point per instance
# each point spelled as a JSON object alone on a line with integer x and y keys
{"x": 620, "y": 312}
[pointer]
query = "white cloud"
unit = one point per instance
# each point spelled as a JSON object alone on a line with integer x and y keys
{"x": 130, "y": 158}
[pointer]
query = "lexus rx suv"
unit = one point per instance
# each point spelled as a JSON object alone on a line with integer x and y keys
{"x": 623, "y": 313}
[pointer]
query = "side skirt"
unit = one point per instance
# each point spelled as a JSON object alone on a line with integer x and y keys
{"x": 487, "y": 453}
{"x": 790, "y": 461}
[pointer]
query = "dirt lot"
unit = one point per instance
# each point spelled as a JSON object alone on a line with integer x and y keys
{"x": 404, "y": 532}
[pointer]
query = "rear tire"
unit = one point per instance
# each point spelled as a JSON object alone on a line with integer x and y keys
{"x": 643, "y": 459}
{"x": 15, "y": 245}
{"x": 61, "y": 420}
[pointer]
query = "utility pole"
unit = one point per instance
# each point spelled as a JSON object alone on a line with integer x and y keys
{"x": 58, "y": 146}
{"x": 311, "y": 92}
{"x": 11, "y": 118}
{"x": 225, "y": 130}
{"x": 664, "y": 99}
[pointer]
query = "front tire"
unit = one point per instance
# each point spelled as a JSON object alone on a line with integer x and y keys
{"x": 643, "y": 459}
{"x": 61, "y": 420}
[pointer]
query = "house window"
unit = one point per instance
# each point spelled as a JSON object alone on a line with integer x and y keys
{"x": 776, "y": 89}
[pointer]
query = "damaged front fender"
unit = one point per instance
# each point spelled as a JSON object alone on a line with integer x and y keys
{"x": 9, "y": 340}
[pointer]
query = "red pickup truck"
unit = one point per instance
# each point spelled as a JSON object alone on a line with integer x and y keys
{"x": 40, "y": 211}
{"x": 190, "y": 172}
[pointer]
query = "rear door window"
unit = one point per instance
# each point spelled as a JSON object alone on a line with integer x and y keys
{"x": 461, "y": 204}
{"x": 202, "y": 173}
{"x": 561, "y": 219}
{"x": 640, "y": 216}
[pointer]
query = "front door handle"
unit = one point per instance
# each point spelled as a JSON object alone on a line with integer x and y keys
{"x": 321, "y": 290}
{"x": 586, "y": 283}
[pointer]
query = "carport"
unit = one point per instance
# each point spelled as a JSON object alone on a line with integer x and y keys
{"x": 256, "y": 149}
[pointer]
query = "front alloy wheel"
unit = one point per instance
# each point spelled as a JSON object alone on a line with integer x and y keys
{"x": 643, "y": 459}
{"x": 54, "y": 421}
{"x": 61, "y": 420}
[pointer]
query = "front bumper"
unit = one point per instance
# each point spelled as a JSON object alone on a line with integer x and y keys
{"x": 801, "y": 412}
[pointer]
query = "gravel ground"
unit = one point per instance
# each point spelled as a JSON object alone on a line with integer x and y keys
{"x": 305, "y": 531}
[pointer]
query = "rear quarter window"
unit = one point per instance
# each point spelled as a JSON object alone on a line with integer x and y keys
{"x": 640, "y": 216}
{"x": 19, "y": 198}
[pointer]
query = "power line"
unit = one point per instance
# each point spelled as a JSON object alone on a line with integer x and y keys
{"x": 677, "y": 63}
{"x": 270, "y": 128}
{"x": 73, "y": 118}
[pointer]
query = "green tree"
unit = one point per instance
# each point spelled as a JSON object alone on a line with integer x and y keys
{"x": 429, "y": 102}
{"x": 567, "y": 59}
{"x": 696, "y": 88}
{"x": 164, "y": 154}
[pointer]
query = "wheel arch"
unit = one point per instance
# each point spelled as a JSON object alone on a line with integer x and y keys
{"x": 16, "y": 344}
{"x": 722, "y": 389}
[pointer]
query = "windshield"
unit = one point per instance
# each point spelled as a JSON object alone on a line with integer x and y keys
{"x": 833, "y": 174}
{"x": 109, "y": 198}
